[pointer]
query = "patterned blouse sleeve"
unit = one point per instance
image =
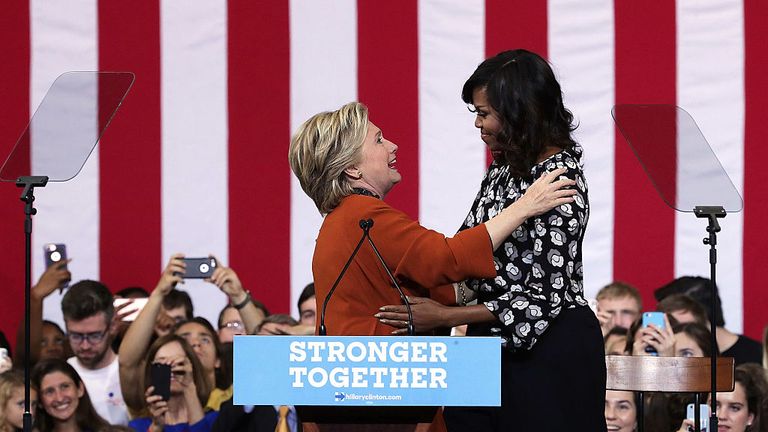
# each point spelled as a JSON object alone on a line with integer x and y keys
{"x": 542, "y": 260}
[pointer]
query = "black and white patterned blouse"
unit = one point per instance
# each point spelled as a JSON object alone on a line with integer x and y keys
{"x": 538, "y": 268}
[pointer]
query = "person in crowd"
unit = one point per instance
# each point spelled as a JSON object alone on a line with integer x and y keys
{"x": 90, "y": 320}
{"x": 175, "y": 308}
{"x": 535, "y": 299}
{"x": 130, "y": 293}
{"x": 190, "y": 389}
{"x": 53, "y": 343}
{"x": 199, "y": 333}
{"x": 616, "y": 341}
{"x": 307, "y": 305}
{"x": 740, "y": 347}
{"x": 745, "y": 408}
{"x": 651, "y": 340}
{"x": 230, "y": 324}
{"x": 665, "y": 411}
{"x": 683, "y": 308}
{"x": 12, "y": 401}
{"x": 53, "y": 278}
{"x": 204, "y": 340}
{"x": 65, "y": 403}
{"x": 618, "y": 305}
{"x": 620, "y": 411}
{"x": 692, "y": 340}
{"x": 277, "y": 324}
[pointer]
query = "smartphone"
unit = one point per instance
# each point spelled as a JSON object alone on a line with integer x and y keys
{"x": 53, "y": 253}
{"x": 161, "y": 380}
{"x": 657, "y": 319}
{"x": 703, "y": 415}
{"x": 199, "y": 268}
{"x": 138, "y": 304}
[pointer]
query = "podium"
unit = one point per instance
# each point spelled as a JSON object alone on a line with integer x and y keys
{"x": 367, "y": 383}
{"x": 368, "y": 419}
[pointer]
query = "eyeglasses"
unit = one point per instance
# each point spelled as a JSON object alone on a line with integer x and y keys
{"x": 234, "y": 326}
{"x": 92, "y": 338}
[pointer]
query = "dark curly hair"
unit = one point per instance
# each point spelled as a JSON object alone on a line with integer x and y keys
{"x": 523, "y": 90}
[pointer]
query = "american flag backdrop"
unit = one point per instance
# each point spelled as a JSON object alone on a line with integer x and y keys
{"x": 195, "y": 161}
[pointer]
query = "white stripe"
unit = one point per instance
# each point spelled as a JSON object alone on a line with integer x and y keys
{"x": 451, "y": 155}
{"x": 581, "y": 48}
{"x": 710, "y": 79}
{"x": 194, "y": 134}
{"x": 64, "y": 37}
{"x": 323, "y": 77}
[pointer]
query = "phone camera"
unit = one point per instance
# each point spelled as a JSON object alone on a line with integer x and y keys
{"x": 56, "y": 256}
{"x": 204, "y": 268}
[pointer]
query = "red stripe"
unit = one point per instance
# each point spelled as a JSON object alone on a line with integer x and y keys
{"x": 388, "y": 73}
{"x": 644, "y": 227}
{"x": 259, "y": 133}
{"x": 755, "y": 154}
{"x": 514, "y": 24}
{"x": 130, "y": 151}
{"x": 14, "y": 112}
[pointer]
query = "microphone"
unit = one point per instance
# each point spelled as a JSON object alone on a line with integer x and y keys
{"x": 365, "y": 225}
{"x": 411, "y": 329}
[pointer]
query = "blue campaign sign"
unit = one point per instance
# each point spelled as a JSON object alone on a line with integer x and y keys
{"x": 367, "y": 370}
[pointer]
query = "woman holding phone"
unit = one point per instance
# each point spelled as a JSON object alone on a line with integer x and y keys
{"x": 188, "y": 390}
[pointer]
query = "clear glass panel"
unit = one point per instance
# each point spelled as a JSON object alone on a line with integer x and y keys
{"x": 67, "y": 125}
{"x": 676, "y": 157}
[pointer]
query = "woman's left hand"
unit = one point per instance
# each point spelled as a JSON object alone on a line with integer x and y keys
{"x": 427, "y": 315}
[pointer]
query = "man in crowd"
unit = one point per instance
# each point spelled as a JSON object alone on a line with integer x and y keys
{"x": 618, "y": 305}
{"x": 88, "y": 316}
{"x": 740, "y": 347}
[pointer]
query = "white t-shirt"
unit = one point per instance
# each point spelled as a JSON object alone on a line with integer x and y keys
{"x": 103, "y": 387}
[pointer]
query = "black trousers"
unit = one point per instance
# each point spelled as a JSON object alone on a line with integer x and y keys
{"x": 558, "y": 385}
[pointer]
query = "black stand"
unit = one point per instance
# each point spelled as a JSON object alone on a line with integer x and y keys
{"x": 29, "y": 183}
{"x": 712, "y": 213}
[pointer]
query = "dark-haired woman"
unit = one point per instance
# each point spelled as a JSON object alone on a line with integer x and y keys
{"x": 189, "y": 390}
{"x": 66, "y": 406}
{"x": 552, "y": 345}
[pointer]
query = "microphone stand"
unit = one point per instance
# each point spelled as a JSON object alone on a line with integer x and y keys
{"x": 365, "y": 225}
{"x": 411, "y": 329}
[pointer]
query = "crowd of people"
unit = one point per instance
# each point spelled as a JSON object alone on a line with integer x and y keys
{"x": 685, "y": 303}
{"x": 95, "y": 375}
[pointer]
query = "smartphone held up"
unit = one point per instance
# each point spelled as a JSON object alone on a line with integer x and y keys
{"x": 199, "y": 268}
{"x": 657, "y": 319}
{"x": 54, "y": 253}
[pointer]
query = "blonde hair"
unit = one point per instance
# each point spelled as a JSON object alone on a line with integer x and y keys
{"x": 323, "y": 147}
{"x": 616, "y": 290}
{"x": 9, "y": 381}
